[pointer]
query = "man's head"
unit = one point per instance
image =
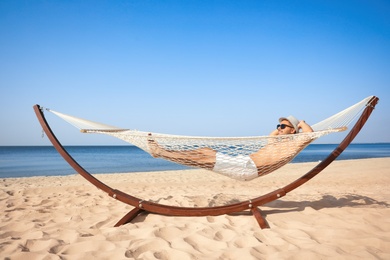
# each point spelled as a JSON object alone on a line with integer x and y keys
{"x": 288, "y": 125}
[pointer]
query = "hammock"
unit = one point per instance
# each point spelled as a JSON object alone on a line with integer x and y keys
{"x": 332, "y": 124}
{"x": 242, "y": 158}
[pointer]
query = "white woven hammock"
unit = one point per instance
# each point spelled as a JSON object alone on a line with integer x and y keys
{"x": 266, "y": 153}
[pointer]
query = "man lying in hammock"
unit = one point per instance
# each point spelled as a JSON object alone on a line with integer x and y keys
{"x": 276, "y": 153}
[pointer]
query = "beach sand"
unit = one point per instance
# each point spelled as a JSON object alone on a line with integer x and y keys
{"x": 343, "y": 213}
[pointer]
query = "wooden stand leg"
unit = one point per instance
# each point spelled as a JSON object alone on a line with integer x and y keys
{"x": 260, "y": 219}
{"x": 129, "y": 216}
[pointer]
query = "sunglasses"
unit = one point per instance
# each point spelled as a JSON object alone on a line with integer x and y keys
{"x": 283, "y": 126}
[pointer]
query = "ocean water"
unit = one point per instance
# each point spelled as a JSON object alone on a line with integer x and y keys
{"x": 25, "y": 161}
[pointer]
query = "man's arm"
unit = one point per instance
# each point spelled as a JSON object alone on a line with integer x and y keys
{"x": 304, "y": 126}
{"x": 275, "y": 132}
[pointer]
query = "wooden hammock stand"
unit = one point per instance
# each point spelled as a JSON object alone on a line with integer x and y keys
{"x": 252, "y": 205}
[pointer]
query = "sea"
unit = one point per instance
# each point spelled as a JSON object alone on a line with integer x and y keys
{"x": 27, "y": 161}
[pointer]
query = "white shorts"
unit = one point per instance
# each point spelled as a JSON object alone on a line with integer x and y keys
{"x": 239, "y": 167}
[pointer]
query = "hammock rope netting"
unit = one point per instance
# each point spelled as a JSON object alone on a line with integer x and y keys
{"x": 242, "y": 158}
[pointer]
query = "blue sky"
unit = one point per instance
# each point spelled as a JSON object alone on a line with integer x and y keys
{"x": 214, "y": 68}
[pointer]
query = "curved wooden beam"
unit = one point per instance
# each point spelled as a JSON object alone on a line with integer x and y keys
{"x": 339, "y": 149}
{"x": 151, "y": 207}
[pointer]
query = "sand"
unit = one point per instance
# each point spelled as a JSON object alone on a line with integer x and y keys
{"x": 343, "y": 213}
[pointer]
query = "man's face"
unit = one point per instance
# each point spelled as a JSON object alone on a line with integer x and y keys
{"x": 285, "y": 128}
